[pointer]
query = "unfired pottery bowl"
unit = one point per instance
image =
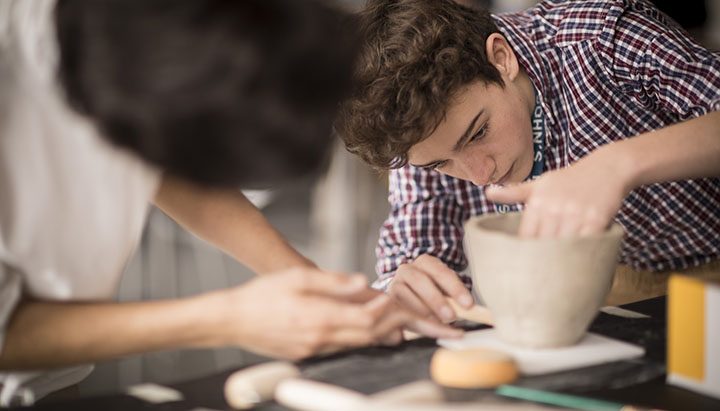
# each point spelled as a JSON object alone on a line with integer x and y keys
{"x": 542, "y": 292}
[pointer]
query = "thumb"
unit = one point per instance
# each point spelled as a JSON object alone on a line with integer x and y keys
{"x": 509, "y": 195}
{"x": 328, "y": 283}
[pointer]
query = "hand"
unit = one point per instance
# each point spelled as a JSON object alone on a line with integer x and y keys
{"x": 421, "y": 325}
{"x": 422, "y": 285}
{"x": 576, "y": 201}
{"x": 303, "y": 311}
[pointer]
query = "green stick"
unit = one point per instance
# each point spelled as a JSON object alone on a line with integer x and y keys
{"x": 563, "y": 400}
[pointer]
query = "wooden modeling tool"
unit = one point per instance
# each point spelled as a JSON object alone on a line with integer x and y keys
{"x": 424, "y": 391}
{"x": 476, "y": 313}
{"x": 303, "y": 394}
{"x": 472, "y": 368}
{"x": 308, "y": 395}
{"x": 252, "y": 385}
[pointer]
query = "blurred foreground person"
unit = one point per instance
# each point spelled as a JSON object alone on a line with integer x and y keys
{"x": 109, "y": 106}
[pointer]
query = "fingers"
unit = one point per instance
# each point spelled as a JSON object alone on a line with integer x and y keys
{"x": 390, "y": 324}
{"x": 407, "y": 298}
{"x": 348, "y": 325}
{"x": 423, "y": 284}
{"x": 420, "y": 291}
{"x": 447, "y": 280}
{"x": 333, "y": 284}
{"x": 395, "y": 337}
{"x": 379, "y": 321}
{"x": 329, "y": 325}
{"x": 552, "y": 220}
{"x": 539, "y": 220}
{"x": 427, "y": 291}
{"x": 340, "y": 311}
{"x": 380, "y": 313}
{"x": 393, "y": 318}
{"x": 364, "y": 295}
{"x": 348, "y": 338}
{"x": 314, "y": 317}
{"x": 570, "y": 202}
{"x": 530, "y": 223}
{"x": 594, "y": 222}
{"x": 434, "y": 329}
{"x": 568, "y": 227}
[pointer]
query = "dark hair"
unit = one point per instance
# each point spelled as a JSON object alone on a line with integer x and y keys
{"x": 216, "y": 91}
{"x": 417, "y": 55}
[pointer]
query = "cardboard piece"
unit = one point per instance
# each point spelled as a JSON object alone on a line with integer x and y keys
{"x": 694, "y": 335}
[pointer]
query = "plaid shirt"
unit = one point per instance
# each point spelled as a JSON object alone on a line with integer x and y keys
{"x": 605, "y": 71}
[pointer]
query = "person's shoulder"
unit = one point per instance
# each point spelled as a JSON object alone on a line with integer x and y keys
{"x": 576, "y": 21}
{"x": 567, "y": 22}
{"x": 562, "y": 22}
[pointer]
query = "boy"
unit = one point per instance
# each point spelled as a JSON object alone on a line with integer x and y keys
{"x": 107, "y": 106}
{"x": 584, "y": 111}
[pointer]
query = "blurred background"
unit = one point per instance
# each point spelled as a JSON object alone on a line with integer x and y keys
{"x": 333, "y": 220}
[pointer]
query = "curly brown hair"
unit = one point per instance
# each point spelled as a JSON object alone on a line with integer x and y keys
{"x": 417, "y": 54}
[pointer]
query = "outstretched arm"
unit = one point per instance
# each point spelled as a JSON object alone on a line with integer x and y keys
{"x": 293, "y": 314}
{"x": 584, "y": 198}
{"x": 225, "y": 218}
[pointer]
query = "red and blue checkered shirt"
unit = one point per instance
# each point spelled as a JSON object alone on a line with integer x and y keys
{"x": 605, "y": 71}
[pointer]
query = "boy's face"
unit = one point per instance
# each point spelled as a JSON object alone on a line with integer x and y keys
{"x": 485, "y": 138}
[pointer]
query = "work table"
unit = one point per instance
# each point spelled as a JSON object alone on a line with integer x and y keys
{"x": 373, "y": 369}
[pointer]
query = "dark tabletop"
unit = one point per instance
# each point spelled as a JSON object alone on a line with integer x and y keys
{"x": 369, "y": 370}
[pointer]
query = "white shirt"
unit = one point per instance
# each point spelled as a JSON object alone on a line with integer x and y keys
{"x": 72, "y": 207}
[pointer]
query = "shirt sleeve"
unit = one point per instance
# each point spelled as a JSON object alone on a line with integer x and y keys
{"x": 657, "y": 63}
{"x": 425, "y": 218}
{"x": 10, "y": 293}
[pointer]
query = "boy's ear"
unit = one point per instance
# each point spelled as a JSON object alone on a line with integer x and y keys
{"x": 502, "y": 56}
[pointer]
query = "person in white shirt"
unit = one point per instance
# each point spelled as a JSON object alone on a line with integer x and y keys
{"x": 107, "y": 107}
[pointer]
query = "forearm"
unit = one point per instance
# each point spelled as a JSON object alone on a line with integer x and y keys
{"x": 229, "y": 221}
{"x": 682, "y": 151}
{"x": 48, "y": 334}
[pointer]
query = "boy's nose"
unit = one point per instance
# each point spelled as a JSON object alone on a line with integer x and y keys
{"x": 477, "y": 169}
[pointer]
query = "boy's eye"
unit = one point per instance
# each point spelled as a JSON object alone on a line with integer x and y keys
{"x": 479, "y": 134}
{"x": 435, "y": 166}
{"x": 482, "y": 131}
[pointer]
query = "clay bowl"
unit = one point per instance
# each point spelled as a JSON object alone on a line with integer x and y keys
{"x": 542, "y": 292}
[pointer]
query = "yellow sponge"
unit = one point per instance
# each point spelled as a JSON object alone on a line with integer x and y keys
{"x": 472, "y": 368}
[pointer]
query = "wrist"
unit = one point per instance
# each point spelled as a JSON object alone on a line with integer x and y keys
{"x": 208, "y": 316}
{"x": 623, "y": 164}
{"x": 286, "y": 258}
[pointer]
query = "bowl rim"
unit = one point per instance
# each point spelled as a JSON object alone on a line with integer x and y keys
{"x": 614, "y": 230}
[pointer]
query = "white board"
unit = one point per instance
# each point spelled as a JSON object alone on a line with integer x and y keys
{"x": 593, "y": 349}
